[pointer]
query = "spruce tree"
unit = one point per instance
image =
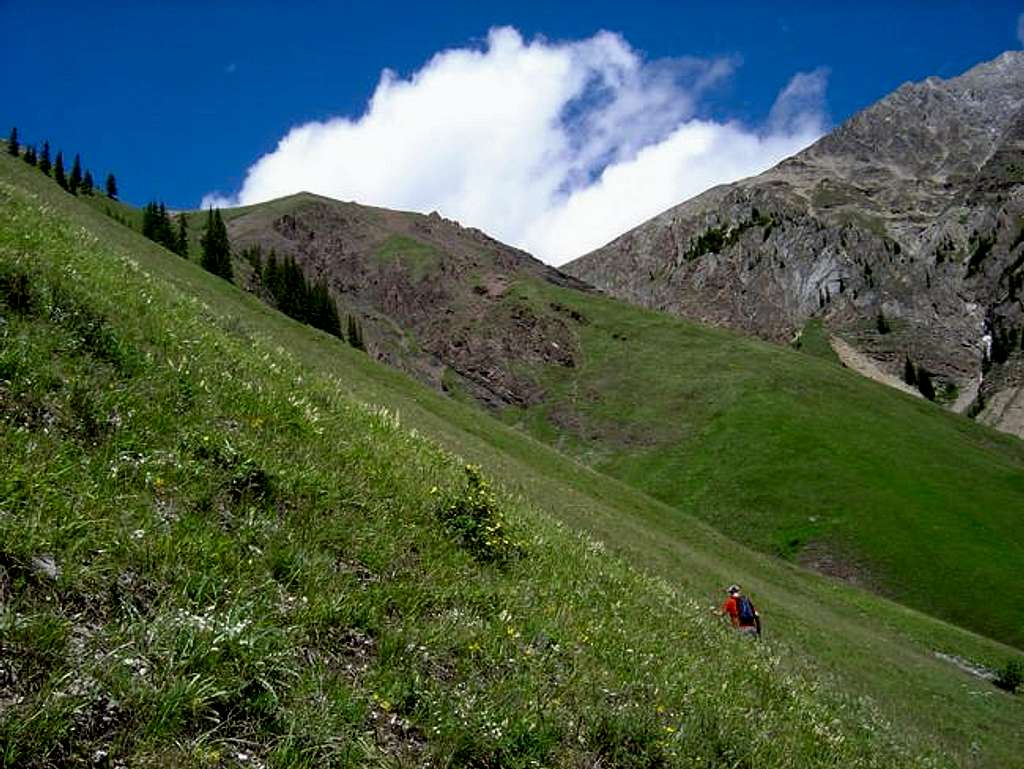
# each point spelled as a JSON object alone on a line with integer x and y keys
{"x": 924, "y": 383}
{"x": 181, "y": 239}
{"x": 216, "y": 256}
{"x": 12, "y": 142}
{"x": 270, "y": 275}
{"x": 58, "y": 171}
{"x": 149, "y": 221}
{"x": 30, "y": 156}
{"x": 909, "y": 374}
{"x": 76, "y": 176}
{"x": 44, "y": 158}
{"x": 111, "y": 187}
{"x": 355, "y": 334}
{"x": 87, "y": 183}
{"x": 323, "y": 312}
{"x": 165, "y": 232}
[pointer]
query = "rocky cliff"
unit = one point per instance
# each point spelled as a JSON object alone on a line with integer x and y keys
{"x": 903, "y": 230}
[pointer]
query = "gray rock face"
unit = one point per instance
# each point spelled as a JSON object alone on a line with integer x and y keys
{"x": 903, "y": 230}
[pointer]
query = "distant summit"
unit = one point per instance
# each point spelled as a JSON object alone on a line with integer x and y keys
{"x": 902, "y": 230}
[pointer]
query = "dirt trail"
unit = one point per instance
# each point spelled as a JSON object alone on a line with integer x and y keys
{"x": 864, "y": 366}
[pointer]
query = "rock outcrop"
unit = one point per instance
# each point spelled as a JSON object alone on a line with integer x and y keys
{"x": 903, "y": 230}
{"x": 435, "y": 299}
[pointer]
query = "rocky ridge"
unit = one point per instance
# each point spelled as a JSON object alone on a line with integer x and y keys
{"x": 433, "y": 297}
{"x": 903, "y": 230}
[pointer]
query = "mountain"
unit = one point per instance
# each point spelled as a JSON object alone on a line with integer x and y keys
{"x": 428, "y": 291}
{"x": 782, "y": 451}
{"x": 902, "y": 231}
{"x": 224, "y": 540}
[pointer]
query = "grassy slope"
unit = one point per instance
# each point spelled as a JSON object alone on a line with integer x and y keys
{"x": 777, "y": 449}
{"x": 784, "y": 452}
{"x": 871, "y": 645}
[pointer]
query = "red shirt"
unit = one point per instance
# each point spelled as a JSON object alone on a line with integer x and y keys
{"x": 731, "y": 607}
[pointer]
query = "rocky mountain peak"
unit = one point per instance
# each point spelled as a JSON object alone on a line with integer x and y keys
{"x": 911, "y": 211}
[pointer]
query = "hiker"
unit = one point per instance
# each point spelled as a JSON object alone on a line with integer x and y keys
{"x": 741, "y": 611}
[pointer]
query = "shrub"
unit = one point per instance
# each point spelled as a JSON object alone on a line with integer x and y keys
{"x": 882, "y": 323}
{"x": 473, "y": 516}
{"x": 1011, "y": 676}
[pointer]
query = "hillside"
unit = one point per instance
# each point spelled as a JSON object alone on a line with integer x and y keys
{"x": 153, "y": 419}
{"x": 779, "y": 450}
{"x": 902, "y": 231}
{"x": 427, "y": 290}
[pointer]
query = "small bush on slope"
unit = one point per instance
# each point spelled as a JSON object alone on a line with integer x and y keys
{"x": 235, "y": 563}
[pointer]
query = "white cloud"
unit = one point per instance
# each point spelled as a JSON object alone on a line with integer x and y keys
{"x": 554, "y": 147}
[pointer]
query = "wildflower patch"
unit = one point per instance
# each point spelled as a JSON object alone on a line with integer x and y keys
{"x": 473, "y": 516}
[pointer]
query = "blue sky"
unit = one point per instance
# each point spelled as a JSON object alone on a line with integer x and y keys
{"x": 180, "y": 100}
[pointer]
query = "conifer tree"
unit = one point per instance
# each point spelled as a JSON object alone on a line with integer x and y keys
{"x": 355, "y": 334}
{"x": 323, "y": 312}
{"x": 111, "y": 187}
{"x": 269, "y": 276}
{"x": 149, "y": 221}
{"x": 30, "y": 155}
{"x": 165, "y": 232}
{"x": 924, "y": 383}
{"x": 909, "y": 374}
{"x": 58, "y": 171}
{"x": 87, "y": 183}
{"x": 12, "y": 142}
{"x": 75, "y": 181}
{"x": 181, "y": 239}
{"x": 216, "y": 256}
{"x": 44, "y": 158}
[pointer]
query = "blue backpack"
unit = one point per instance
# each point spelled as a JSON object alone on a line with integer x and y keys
{"x": 745, "y": 610}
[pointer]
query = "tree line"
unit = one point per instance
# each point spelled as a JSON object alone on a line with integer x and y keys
{"x": 75, "y": 182}
{"x": 283, "y": 280}
{"x": 158, "y": 227}
{"x": 284, "y": 283}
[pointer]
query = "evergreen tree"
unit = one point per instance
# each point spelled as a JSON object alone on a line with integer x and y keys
{"x": 30, "y": 156}
{"x": 293, "y": 301}
{"x": 87, "y": 183}
{"x": 12, "y": 142}
{"x": 181, "y": 239}
{"x": 149, "y": 221}
{"x": 111, "y": 187}
{"x": 323, "y": 312}
{"x": 76, "y": 176}
{"x": 216, "y": 256}
{"x": 882, "y": 323}
{"x": 44, "y": 159}
{"x": 924, "y": 383}
{"x": 58, "y": 171}
{"x": 355, "y": 334}
{"x": 909, "y": 374}
{"x": 165, "y": 232}
{"x": 270, "y": 276}
{"x": 157, "y": 226}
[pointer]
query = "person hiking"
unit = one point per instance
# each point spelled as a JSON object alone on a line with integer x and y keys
{"x": 741, "y": 611}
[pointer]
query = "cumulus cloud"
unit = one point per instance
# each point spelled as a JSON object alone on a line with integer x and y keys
{"x": 553, "y": 147}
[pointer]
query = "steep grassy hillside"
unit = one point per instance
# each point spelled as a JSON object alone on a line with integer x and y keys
{"x": 793, "y": 455}
{"x": 211, "y": 555}
{"x": 784, "y": 452}
{"x": 121, "y": 491}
